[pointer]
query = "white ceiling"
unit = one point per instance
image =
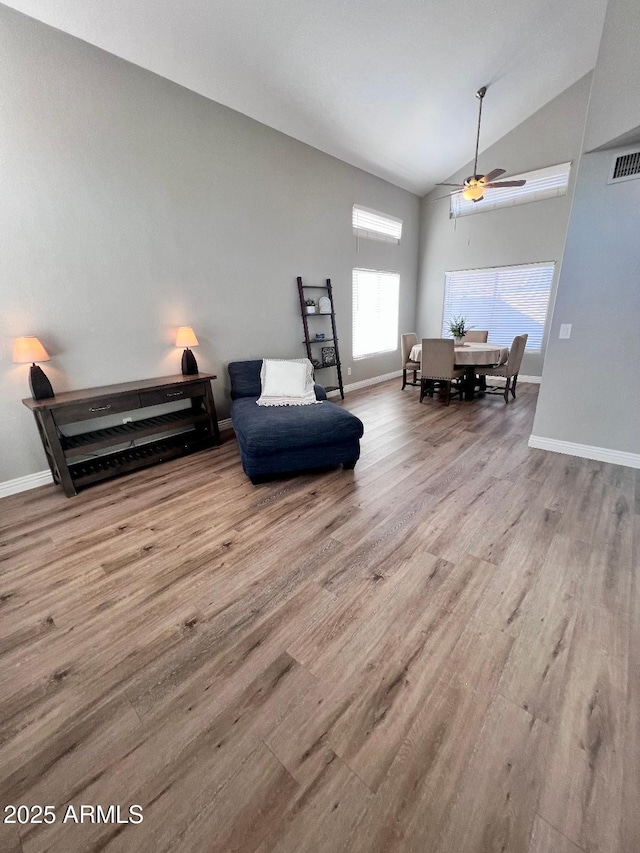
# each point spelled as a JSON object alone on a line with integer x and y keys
{"x": 386, "y": 85}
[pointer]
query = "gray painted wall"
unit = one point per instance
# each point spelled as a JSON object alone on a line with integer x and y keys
{"x": 590, "y": 391}
{"x": 131, "y": 206}
{"x": 614, "y": 108}
{"x": 523, "y": 234}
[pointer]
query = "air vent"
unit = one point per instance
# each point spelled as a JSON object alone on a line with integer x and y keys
{"x": 625, "y": 167}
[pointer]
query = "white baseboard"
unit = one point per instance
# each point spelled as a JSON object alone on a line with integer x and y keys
{"x": 22, "y": 484}
{"x": 586, "y": 451}
{"x": 364, "y": 383}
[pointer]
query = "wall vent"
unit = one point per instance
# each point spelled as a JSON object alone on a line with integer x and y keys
{"x": 625, "y": 166}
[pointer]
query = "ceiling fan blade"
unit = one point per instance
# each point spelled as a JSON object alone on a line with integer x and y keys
{"x": 506, "y": 184}
{"x": 450, "y": 185}
{"x": 494, "y": 173}
{"x": 449, "y": 195}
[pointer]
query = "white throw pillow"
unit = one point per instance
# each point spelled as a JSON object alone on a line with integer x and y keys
{"x": 286, "y": 382}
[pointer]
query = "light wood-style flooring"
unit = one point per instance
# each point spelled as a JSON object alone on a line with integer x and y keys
{"x": 438, "y": 652}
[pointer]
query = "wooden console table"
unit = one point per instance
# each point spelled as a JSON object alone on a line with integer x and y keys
{"x": 78, "y": 459}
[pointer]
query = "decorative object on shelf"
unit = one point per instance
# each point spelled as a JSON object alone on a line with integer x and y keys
{"x": 324, "y": 305}
{"x": 315, "y": 362}
{"x": 328, "y": 356}
{"x": 458, "y": 328}
{"x": 185, "y": 337}
{"x": 320, "y": 336}
{"x": 311, "y": 306}
{"x": 29, "y": 349}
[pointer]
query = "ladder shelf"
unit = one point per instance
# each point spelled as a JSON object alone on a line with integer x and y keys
{"x": 310, "y": 341}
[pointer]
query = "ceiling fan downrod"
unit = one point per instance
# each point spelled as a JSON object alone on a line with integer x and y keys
{"x": 480, "y": 95}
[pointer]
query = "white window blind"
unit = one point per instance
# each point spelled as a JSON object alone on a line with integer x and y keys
{"x": 375, "y": 225}
{"x": 375, "y": 312}
{"x": 508, "y": 301}
{"x": 541, "y": 183}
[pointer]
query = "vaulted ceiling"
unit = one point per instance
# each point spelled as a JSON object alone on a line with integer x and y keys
{"x": 386, "y": 86}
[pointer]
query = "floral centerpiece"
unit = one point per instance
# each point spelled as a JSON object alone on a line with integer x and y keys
{"x": 458, "y": 328}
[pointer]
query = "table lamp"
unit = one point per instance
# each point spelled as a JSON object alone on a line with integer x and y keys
{"x": 29, "y": 349}
{"x": 185, "y": 337}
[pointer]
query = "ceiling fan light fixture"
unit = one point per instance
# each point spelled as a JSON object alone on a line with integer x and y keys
{"x": 473, "y": 191}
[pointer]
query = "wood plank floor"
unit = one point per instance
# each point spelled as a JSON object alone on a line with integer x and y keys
{"x": 438, "y": 652}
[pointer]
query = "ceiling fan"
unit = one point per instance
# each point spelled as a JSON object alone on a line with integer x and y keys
{"x": 474, "y": 186}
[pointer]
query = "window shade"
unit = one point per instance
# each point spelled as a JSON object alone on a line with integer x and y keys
{"x": 375, "y": 312}
{"x": 542, "y": 183}
{"x": 375, "y": 225}
{"x": 508, "y": 301}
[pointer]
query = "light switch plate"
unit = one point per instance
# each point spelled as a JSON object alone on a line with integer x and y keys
{"x": 565, "y": 330}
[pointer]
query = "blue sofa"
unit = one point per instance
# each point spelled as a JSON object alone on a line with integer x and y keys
{"x": 279, "y": 439}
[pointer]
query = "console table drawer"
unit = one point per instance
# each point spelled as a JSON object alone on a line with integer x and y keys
{"x": 96, "y": 408}
{"x": 171, "y": 394}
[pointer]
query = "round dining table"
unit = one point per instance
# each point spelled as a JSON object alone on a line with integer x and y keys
{"x": 470, "y": 356}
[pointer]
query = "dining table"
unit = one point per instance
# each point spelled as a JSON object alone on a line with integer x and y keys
{"x": 469, "y": 356}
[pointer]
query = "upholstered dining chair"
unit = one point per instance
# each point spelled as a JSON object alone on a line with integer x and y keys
{"x": 476, "y": 336}
{"x": 407, "y": 341}
{"x": 438, "y": 367}
{"x": 509, "y": 370}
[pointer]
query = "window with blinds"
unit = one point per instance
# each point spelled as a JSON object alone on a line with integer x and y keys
{"x": 508, "y": 301}
{"x": 375, "y": 225}
{"x": 542, "y": 183}
{"x": 376, "y": 296}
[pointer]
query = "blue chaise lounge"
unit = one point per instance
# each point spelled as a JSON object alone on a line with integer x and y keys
{"x": 279, "y": 439}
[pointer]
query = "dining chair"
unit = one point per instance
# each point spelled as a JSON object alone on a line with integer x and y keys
{"x": 407, "y": 342}
{"x": 438, "y": 367}
{"x": 509, "y": 369}
{"x": 476, "y": 336}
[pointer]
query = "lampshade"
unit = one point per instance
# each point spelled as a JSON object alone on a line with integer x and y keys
{"x": 185, "y": 337}
{"x": 29, "y": 349}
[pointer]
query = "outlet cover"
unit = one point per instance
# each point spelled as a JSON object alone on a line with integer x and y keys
{"x": 565, "y": 331}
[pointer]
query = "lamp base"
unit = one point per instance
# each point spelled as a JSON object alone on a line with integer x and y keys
{"x": 189, "y": 363}
{"x": 40, "y": 386}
